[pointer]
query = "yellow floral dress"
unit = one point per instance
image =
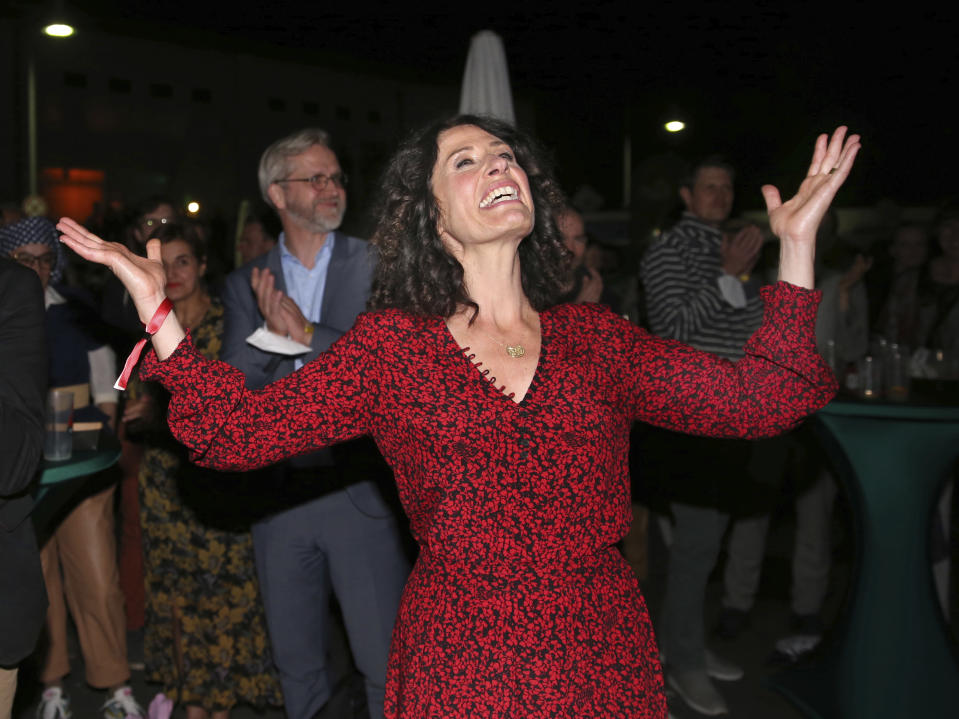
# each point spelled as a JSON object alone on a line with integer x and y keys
{"x": 205, "y": 637}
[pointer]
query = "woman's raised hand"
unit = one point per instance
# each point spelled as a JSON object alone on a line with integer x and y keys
{"x": 798, "y": 219}
{"x": 143, "y": 277}
{"x": 795, "y": 221}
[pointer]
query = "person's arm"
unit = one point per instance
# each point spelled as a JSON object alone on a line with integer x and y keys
{"x": 240, "y": 320}
{"x": 23, "y": 377}
{"x": 780, "y": 380}
{"x": 796, "y": 221}
{"x": 677, "y": 306}
{"x": 227, "y": 426}
{"x": 103, "y": 369}
{"x": 143, "y": 277}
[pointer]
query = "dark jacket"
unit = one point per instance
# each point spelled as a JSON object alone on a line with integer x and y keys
{"x": 23, "y": 378}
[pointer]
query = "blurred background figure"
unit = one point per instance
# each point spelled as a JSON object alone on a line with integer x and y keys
{"x": 939, "y": 315}
{"x": 330, "y": 530}
{"x": 895, "y": 286}
{"x": 699, "y": 289}
{"x": 260, "y": 232}
{"x": 124, "y": 329}
{"x": 587, "y": 281}
{"x": 23, "y": 384}
{"x": 79, "y": 559}
{"x": 205, "y": 635}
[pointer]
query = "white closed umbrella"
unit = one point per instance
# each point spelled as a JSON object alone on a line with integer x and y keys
{"x": 486, "y": 88}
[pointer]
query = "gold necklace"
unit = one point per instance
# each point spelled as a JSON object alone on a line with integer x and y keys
{"x": 515, "y": 351}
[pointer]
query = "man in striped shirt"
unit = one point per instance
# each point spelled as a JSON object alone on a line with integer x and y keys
{"x": 699, "y": 290}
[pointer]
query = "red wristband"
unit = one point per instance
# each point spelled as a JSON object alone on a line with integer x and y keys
{"x": 151, "y": 329}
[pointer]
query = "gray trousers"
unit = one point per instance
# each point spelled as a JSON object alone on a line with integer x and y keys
{"x": 697, "y": 534}
{"x": 346, "y": 542}
{"x": 811, "y": 553}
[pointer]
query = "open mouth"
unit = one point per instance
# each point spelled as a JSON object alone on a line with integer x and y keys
{"x": 503, "y": 193}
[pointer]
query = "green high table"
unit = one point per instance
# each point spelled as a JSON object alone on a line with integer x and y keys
{"x": 61, "y": 481}
{"x": 890, "y": 653}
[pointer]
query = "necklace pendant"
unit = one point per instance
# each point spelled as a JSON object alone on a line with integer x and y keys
{"x": 515, "y": 351}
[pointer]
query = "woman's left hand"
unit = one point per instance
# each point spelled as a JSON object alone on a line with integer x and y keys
{"x": 797, "y": 219}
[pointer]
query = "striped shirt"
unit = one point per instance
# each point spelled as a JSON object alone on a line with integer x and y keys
{"x": 680, "y": 272}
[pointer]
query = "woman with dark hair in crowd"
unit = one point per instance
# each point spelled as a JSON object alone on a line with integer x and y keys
{"x": 897, "y": 287}
{"x": 505, "y": 419}
{"x": 205, "y": 633}
{"x": 939, "y": 314}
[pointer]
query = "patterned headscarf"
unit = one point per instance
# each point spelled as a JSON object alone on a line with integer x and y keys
{"x": 33, "y": 229}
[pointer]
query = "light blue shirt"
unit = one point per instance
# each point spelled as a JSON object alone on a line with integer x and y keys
{"x": 305, "y": 286}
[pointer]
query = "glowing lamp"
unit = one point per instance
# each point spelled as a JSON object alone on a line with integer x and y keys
{"x": 59, "y": 29}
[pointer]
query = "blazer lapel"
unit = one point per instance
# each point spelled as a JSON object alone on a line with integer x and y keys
{"x": 336, "y": 275}
{"x": 274, "y": 265}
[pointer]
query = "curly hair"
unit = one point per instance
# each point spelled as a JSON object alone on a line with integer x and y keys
{"x": 414, "y": 271}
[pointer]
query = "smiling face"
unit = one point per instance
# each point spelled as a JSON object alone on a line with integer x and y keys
{"x": 483, "y": 195}
{"x": 711, "y": 196}
{"x": 300, "y": 204}
{"x": 183, "y": 270}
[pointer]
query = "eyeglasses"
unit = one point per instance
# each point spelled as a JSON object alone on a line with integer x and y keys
{"x": 319, "y": 182}
{"x": 151, "y": 222}
{"x": 48, "y": 259}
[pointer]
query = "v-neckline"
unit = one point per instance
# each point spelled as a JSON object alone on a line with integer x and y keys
{"x": 481, "y": 375}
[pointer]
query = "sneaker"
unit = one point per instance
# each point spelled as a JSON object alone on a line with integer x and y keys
{"x": 54, "y": 704}
{"x": 698, "y": 692}
{"x": 731, "y": 623}
{"x": 135, "y": 650}
{"x": 790, "y": 650}
{"x": 122, "y": 705}
{"x": 722, "y": 669}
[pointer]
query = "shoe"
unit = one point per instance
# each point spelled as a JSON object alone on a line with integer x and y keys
{"x": 698, "y": 692}
{"x": 722, "y": 669}
{"x": 54, "y": 704}
{"x": 122, "y": 705}
{"x": 135, "y": 650}
{"x": 731, "y": 623}
{"x": 790, "y": 650}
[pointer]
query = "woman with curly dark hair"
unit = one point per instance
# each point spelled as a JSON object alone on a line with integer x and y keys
{"x": 505, "y": 418}
{"x": 416, "y": 271}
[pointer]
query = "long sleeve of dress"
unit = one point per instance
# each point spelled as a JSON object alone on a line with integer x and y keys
{"x": 229, "y": 427}
{"x": 780, "y": 380}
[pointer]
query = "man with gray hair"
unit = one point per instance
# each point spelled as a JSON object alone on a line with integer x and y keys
{"x": 330, "y": 529}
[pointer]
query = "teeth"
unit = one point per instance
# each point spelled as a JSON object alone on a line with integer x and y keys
{"x": 500, "y": 194}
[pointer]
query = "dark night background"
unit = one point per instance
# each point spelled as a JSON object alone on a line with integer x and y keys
{"x": 754, "y": 80}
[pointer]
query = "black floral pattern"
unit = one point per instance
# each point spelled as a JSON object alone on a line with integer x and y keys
{"x": 519, "y": 605}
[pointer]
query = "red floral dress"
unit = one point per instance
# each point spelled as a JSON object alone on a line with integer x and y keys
{"x": 519, "y": 605}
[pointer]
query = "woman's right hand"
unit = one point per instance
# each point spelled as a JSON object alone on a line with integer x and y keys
{"x": 143, "y": 277}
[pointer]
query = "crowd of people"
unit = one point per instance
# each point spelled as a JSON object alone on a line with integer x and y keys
{"x": 502, "y": 388}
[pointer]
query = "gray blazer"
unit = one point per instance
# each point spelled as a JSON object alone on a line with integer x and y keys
{"x": 344, "y": 298}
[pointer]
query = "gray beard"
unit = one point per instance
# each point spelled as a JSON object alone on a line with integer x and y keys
{"x": 318, "y": 224}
